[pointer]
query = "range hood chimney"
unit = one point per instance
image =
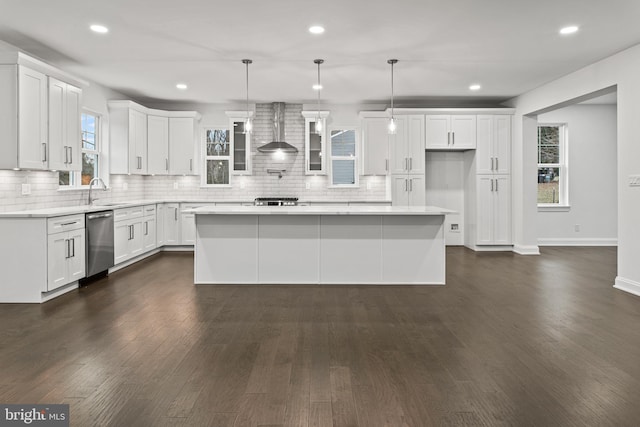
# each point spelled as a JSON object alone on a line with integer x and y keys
{"x": 278, "y": 145}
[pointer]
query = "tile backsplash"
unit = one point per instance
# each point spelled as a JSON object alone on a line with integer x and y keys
{"x": 44, "y": 191}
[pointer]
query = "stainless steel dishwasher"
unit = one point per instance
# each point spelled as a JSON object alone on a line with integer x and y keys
{"x": 99, "y": 231}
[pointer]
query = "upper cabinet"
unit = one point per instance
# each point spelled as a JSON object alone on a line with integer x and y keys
{"x": 146, "y": 141}
{"x": 64, "y": 126}
{"x": 240, "y": 142}
{"x": 450, "y": 132}
{"x": 375, "y": 145}
{"x": 39, "y": 115}
{"x": 406, "y": 146}
{"x": 493, "y": 155}
{"x": 315, "y": 142}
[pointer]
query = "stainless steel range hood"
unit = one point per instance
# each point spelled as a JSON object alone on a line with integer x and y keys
{"x": 278, "y": 145}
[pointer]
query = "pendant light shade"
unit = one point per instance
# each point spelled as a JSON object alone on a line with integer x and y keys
{"x": 248, "y": 124}
{"x": 319, "y": 88}
{"x": 392, "y": 121}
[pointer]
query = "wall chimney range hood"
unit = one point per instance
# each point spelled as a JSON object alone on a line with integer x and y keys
{"x": 278, "y": 145}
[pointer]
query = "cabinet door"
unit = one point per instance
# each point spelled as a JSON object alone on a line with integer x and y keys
{"x": 399, "y": 157}
{"x": 437, "y": 128}
{"x": 415, "y": 144}
{"x": 160, "y": 214}
{"x": 241, "y": 143}
{"x": 149, "y": 234}
{"x": 181, "y": 146}
{"x": 58, "y": 149}
{"x": 502, "y": 144}
{"x": 172, "y": 224}
{"x": 485, "y": 203}
{"x": 375, "y": 146}
{"x": 121, "y": 237}
{"x": 73, "y": 129}
{"x": 57, "y": 255}
{"x": 314, "y": 143}
{"x": 76, "y": 263}
{"x": 188, "y": 229}
{"x": 136, "y": 243}
{"x": 502, "y": 210}
{"x": 400, "y": 190}
{"x": 485, "y": 161}
{"x": 137, "y": 142}
{"x": 158, "y": 145}
{"x": 463, "y": 132}
{"x": 417, "y": 191}
{"x": 32, "y": 119}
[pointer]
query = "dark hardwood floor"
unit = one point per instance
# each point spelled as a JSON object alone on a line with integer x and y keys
{"x": 510, "y": 340}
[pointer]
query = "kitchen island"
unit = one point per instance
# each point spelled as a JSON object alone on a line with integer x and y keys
{"x": 320, "y": 245}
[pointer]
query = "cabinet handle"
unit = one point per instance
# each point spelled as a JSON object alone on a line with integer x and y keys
{"x": 448, "y": 138}
{"x": 175, "y": 212}
{"x": 44, "y": 151}
{"x": 386, "y": 165}
{"x": 166, "y": 164}
{"x": 70, "y": 155}
{"x": 406, "y": 185}
{"x": 146, "y": 228}
{"x": 492, "y": 161}
{"x": 66, "y": 249}
{"x": 492, "y": 184}
{"x": 73, "y": 248}
{"x": 410, "y": 163}
{"x": 453, "y": 138}
{"x": 411, "y": 185}
{"x": 190, "y": 165}
{"x": 496, "y": 184}
{"x": 68, "y": 223}
{"x": 496, "y": 163}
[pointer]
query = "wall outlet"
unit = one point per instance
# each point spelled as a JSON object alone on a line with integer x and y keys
{"x": 455, "y": 228}
{"x": 307, "y": 185}
{"x": 368, "y": 185}
{"x": 175, "y": 185}
{"x": 242, "y": 185}
{"x": 125, "y": 186}
{"x": 26, "y": 189}
{"x": 634, "y": 180}
{"x": 576, "y": 228}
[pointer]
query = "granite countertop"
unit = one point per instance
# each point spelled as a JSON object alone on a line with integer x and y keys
{"x": 319, "y": 210}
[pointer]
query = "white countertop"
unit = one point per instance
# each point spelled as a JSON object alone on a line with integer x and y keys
{"x": 319, "y": 210}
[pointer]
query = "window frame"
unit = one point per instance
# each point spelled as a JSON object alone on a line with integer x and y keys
{"x": 355, "y": 157}
{"x": 205, "y": 157}
{"x": 75, "y": 177}
{"x": 562, "y": 165}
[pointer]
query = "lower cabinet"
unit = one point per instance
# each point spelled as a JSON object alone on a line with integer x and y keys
{"x": 66, "y": 258}
{"x": 128, "y": 237}
{"x": 149, "y": 229}
{"x": 168, "y": 224}
{"x": 188, "y": 224}
{"x": 494, "y": 210}
{"x": 408, "y": 190}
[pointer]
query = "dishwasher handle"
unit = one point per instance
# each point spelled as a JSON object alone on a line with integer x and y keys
{"x": 100, "y": 215}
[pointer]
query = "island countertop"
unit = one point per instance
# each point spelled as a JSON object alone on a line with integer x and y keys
{"x": 320, "y": 210}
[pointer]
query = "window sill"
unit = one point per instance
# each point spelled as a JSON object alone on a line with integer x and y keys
{"x": 66, "y": 188}
{"x": 554, "y": 208}
{"x": 344, "y": 186}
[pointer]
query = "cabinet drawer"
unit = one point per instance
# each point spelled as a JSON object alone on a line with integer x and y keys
{"x": 128, "y": 213}
{"x": 65, "y": 223}
{"x": 149, "y": 210}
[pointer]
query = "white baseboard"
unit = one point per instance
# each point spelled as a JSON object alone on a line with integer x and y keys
{"x": 133, "y": 260}
{"x": 187, "y": 248}
{"x": 578, "y": 242}
{"x": 627, "y": 285}
{"x": 526, "y": 250}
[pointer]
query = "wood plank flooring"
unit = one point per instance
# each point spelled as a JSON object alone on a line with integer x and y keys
{"x": 509, "y": 341}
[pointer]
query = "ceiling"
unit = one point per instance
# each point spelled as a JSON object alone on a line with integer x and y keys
{"x": 507, "y": 46}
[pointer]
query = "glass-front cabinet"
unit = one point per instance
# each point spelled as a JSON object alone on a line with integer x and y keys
{"x": 315, "y": 142}
{"x": 240, "y": 142}
{"x": 218, "y": 156}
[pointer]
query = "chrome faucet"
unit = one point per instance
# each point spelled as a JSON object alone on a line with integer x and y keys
{"x": 93, "y": 181}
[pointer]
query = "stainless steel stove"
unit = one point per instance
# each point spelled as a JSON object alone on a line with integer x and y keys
{"x": 276, "y": 201}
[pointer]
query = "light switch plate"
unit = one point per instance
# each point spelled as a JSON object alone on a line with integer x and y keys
{"x": 307, "y": 185}
{"x": 175, "y": 185}
{"x": 26, "y": 189}
{"x": 125, "y": 186}
{"x": 634, "y": 180}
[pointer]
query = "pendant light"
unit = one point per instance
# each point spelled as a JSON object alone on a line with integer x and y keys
{"x": 248, "y": 125}
{"x": 319, "y": 88}
{"x": 392, "y": 121}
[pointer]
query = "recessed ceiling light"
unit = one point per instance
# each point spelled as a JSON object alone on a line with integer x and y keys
{"x": 475, "y": 87}
{"x": 99, "y": 29}
{"x": 317, "y": 87}
{"x": 181, "y": 86}
{"x": 316, "y": 29}
{"x": 569, "y": 30}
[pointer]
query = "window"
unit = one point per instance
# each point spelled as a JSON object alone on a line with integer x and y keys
{"x": 343, "y": 158}
{"x": 217, "y": 156}
{"x": 90, "y": 127}
{"x": 552, "y": 166}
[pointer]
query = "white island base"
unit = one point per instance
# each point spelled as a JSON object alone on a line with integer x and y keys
{"x": 312, "y": 245}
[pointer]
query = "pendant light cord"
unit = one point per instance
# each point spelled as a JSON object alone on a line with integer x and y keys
{"x": 318, "y": 61}
{"x": 247, "y": 62}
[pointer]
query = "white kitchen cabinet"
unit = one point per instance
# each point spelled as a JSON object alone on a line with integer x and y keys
{"x": 128, "y": 233}
{"x": 169, "y": 223}
{"x": 182, "y": 146}
{"x": 239, "y": 144}
{"x": 65, "y": 251}
{"x": 408, "y": 190}
{"x": 149, "y": 229}
{"x": 493, "y": 210}
{"x": 493, "y": 153}
{"x": 450, "y": 132}
{"x": 188, "y": 223}
{"x": 128, "y": 138}
{"x": 315, "y": 142}
{"x": 375, "y": 146}
{"x": 65, "y": 140}
{"x": 406, "y": 146}
{"x": 158, "y": 145}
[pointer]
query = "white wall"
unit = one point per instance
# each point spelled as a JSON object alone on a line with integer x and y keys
{"x": 445, "y": 184}
{"x": 592, "y": 177}
{"x": 620, "y": 70}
